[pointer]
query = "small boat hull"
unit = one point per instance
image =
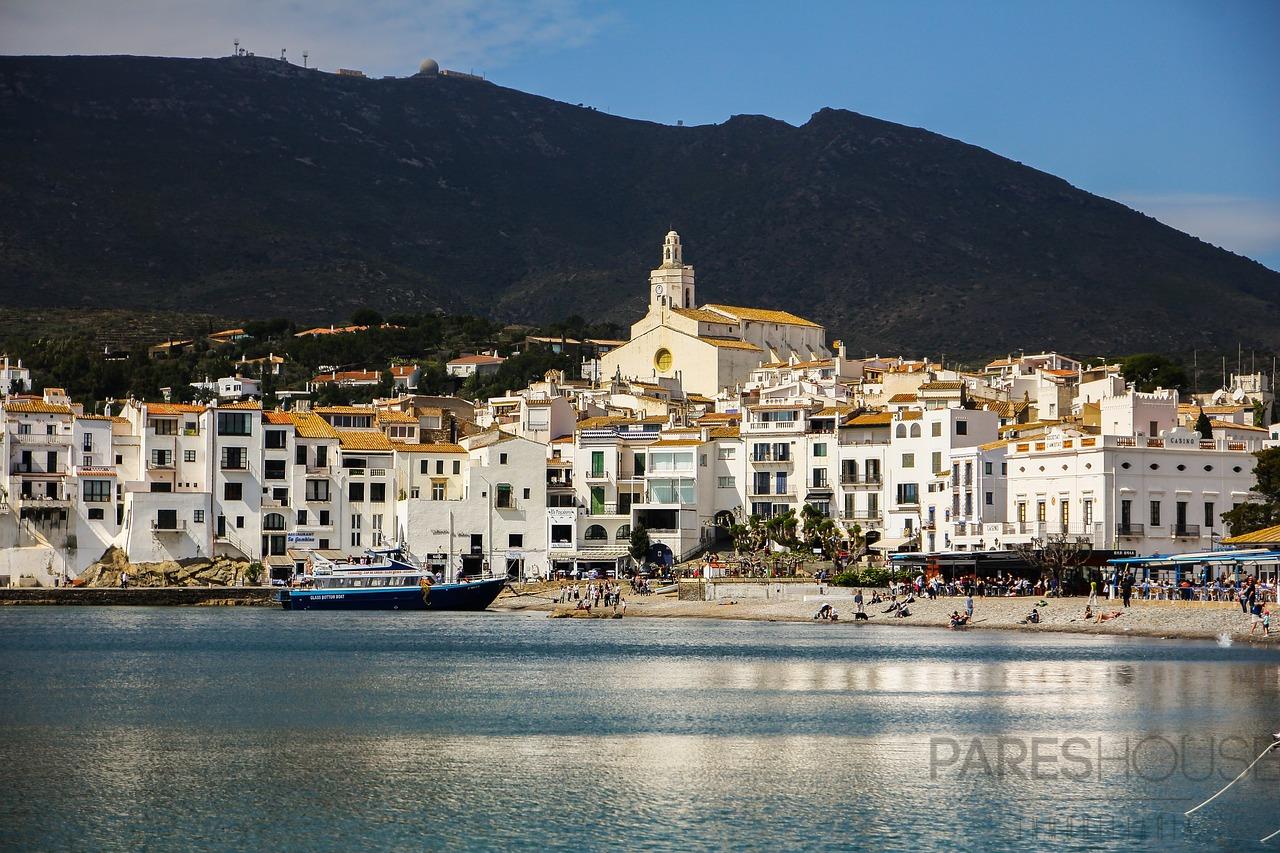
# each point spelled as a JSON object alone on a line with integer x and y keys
{"x": 476, "y": 595}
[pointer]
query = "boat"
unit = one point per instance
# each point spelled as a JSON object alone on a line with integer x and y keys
{"x": 385, "y": 579}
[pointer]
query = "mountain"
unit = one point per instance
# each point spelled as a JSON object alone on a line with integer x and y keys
{"x": 249, "y": 187}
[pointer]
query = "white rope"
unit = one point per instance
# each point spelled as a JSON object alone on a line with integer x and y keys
{"x": 1269, "y": 837}
{"x": 1233, "y": 781}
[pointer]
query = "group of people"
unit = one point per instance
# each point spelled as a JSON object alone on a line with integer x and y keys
{"x": 596, "y": 594}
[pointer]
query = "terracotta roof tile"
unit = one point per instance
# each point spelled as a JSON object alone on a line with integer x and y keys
{"x": 761, "y": 315}
{"x": 354, "y": 439}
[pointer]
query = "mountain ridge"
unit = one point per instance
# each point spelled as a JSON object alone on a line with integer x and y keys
{"x": 250, "y": 187}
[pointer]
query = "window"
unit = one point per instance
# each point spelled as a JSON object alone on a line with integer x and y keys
{"x": 439, "y": 466}
{"x": 1087, "y": 507}
{"x": 780, "y": 483}
{"x": 525, "y": 494}
{"x": 595, "y": 533}
{"x": 597, "y": 463}
{"x": 163, "y": 426}
{"x": 317, "y": 490}
{"x": 414, "y": 492}
{"x": 988, "y": 498}
{"x": 232, "y": 491}
{"x": 1041, "y": 511}
{"x": 1022, "y": 512}
{"x": 1126, "y": 513}
{"x": 457, "y": 466}
{"x": 1153, "y": 428}
{"x": 355, "y": 522}
{"x": 235, "y": 459}
{"x": 355, "y": 539}
{"x": 962, "y": 427}
{"x": 188, "y": 456}
{"x": 725, "y": 453}
{"x": 239, "y": 521}
{"x": 275, "y": 439}
{"x": 502, "y": 459}
{"x": 820, "y": 449}
{"x": 302, "y": 518}
{"x": 424, "y": 466}
{"x": 95, "y": 513}
{"x": 161, "y": 458}
{"x": 900, "y": 431}
{"x": 1208, "y": 514}
{"x": 503, "y": 495}
{"x": 376, "y": 521}
{"x": 908, "y": 460}
{"x": 273, "y": 521}
{"x": 273, "y": 469}
{"x": 515, "y": 540}
{"x": 324, "y": 518}
{"x": 915, "y": 430}
{"x": 355, "y": 492}
{"x": 1004, "y": 469}
{"x": 166, "y": 519}
{"x": 378, "y": 493}
{"x": 908, "y": 493}
{"x": 437, "y": 491}
{"x": 87, "y": 447}
{"x": 936, "y": 429}
{"x": 986, "y": 468}
{"x": 724, "y": 482}
{"x": 300, "y": 455}
{"x": 623, "y": 534}
{"x": 1155, "y": 513}
{"x": 234, "y": 423}
{"x": 97, "y": 491}
{"x": 935, "y": 462}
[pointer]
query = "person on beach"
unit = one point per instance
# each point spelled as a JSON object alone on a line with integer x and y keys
{"x": 1107, "y": 617}
{"x": 857, "y": 605}
{"x": 958, "y": 621}
{"x": 968, "y": 607}
{"x": 1256, "y": 620}
{"x": 1093, "y": 593}
{"x": 1033, "y": 618}
{"x": 1126, "y": 589}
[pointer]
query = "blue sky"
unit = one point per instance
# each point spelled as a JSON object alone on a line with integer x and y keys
{"x": 1172, "y": 107}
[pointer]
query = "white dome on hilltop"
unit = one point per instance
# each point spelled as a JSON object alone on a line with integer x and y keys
{"x": 429, "y": 67}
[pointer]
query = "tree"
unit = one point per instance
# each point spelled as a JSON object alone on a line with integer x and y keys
{"x": 747, "y": 532}
{"x": 1056, "y": 553}
{"x": 1259, "y": 413}
{"x": 1265, "y": 510}
{"x": 365, "y": 317}
{"x": 821, "y": 533}
{"x": 1203, "y": 426}
{"x": 782, "y": 529}
{"x": 638, "y": 547}
{"x": 1149, "y": 371}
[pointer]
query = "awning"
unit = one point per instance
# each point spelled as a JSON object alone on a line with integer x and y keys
{"x": 601, "y": 554}
{"x": 1250, "y": 555}
{"x": 892, "y": 543}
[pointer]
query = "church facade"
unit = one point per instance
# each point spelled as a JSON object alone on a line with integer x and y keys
{"x": 709, "y": 347}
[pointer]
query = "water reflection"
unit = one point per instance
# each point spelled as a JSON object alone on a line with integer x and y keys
{"x": 232, "y": 730}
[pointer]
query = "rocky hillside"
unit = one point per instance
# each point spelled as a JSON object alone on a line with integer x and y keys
{"x": 247, "y": 187}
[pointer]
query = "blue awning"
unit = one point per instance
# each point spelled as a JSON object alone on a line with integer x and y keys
{"x": 1252, "y": 555}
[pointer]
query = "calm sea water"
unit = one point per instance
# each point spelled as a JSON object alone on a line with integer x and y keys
{"x": 231, "y": 729}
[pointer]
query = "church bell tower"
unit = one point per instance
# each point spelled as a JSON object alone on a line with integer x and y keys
{"x": 671, "y": 284}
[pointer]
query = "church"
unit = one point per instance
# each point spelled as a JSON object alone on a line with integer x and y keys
{"x": 711, "y": 347}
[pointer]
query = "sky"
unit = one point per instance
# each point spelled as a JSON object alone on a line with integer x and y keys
{"x": 1171, "y": 107}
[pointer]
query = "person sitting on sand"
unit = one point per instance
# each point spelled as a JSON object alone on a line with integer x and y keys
{"x": 958, "y": 620}
{"x": 1107, "y": 617}
{"x": 1033, "y": 618}
{"x": 894, "y": 605}
{"x": 903, "y": 611}
{"x": 1088, "y": 613}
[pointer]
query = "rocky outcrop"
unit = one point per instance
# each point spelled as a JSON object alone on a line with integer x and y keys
{"x": 194, "y": 571}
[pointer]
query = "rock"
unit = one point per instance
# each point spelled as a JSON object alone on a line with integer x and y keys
{"x": 191, "y": 571}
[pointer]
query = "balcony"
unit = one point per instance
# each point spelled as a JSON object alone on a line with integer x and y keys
{"x": 1186, "y": 531}
{"x": 43, "y": 500}
{"x": 596, "y": 475}
{"x": 321, "y": 470}
{"x": 861, "y": 515}
{"x": 820, "y": 486}
{"x": 39, "y": 438}
{"x": 233, "y": 465}
{"x": 1133, "y": 531}
{"x": 153, "y": 465}
{"x": 559, "y": 482}
{"x": 32, "y": 470}
{"x": 771, "y": 457}
{"x": 864, "y": 480}
{"x": 176, "y": 527}
{"x": 756, "y": 491}
{"x": 856, "y": 440}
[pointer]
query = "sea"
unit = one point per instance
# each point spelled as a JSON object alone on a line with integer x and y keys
{"x": 256, "y": 729}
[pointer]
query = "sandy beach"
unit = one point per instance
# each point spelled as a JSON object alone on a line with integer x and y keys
{"x": 1163, "y": 619}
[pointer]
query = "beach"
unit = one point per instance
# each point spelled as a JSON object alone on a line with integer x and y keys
{"x": 1160, "y": 619}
